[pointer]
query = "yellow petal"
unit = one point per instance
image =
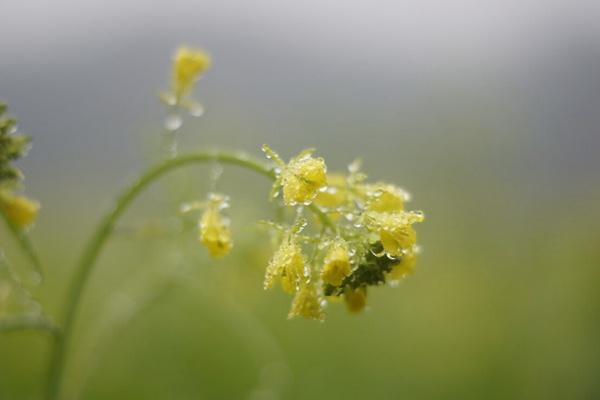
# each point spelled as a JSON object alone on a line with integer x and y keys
{"x": 404, "y": 268}
{"x": 337, "y": 264}
{"x": 188, "y": 65}
{"x": 307, "y": 304}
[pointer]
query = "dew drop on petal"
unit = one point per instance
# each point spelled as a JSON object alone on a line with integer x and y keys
{"x": 391, "y": 257}
{"x": 378, "y": 253}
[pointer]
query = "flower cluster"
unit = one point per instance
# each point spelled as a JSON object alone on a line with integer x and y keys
{"x": 359, "y": 234}
{"x": 19, "y": 210}
{"x": 362, "y": 237}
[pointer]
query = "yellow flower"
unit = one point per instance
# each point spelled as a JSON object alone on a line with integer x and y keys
{"x": 307, "y": 304}
{"x": 337, "y": 264}
{"x": 188, "y": 65}
{"x": 404, "y": 268}
{"x": 383, "y": 197}
{"x": 302, "y": 178}
{"x": 214, "y": 228}
{"x": 336, "y": 194}
{"x": 356, "y": 299}
{"x": 288, "y": 264}
{"x": 20, "y": 210}
{"x": 395, "y": 230}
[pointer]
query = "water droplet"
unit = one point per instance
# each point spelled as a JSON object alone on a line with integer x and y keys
{"x": 391, "y": 257}
{"x": 394, "y": 283}
{"x": 173, "y": 122}
{"x": 378, "y": 253}
{"x": 302, "y": 225}
{"x": 196, "y": 110}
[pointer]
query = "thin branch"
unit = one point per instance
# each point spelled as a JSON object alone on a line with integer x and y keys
{"x": 24, "y": 242}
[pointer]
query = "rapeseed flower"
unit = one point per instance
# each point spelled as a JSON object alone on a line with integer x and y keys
{"x": 301, "y": 179}
{"x": 307, "y": 304}
{"x": 288, "y": 265}
{"x": 188, "y": 65}
{"x": 215, "y": 232}
{"x": 337, "y": 264}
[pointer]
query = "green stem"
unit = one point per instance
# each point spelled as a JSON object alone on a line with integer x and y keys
{"x": 23, "y": 240}
{"x": 92, "y": 250}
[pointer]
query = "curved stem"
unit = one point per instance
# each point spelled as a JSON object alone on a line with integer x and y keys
{"x": 25, "y": 244}
{"x": 103, "y": 231}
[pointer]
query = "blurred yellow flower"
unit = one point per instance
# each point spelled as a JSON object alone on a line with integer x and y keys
{"x": 20, "y": 210}
{"x": 336, "y": 193}
{"x": 215, "y": 233}
{"x": 337, "y": 264}
{"x": 307, "y": 304}
{"x": 356, "y": 299}
{"x": 188, "y": 65}
{"x": 404, "y": 268}
{"x": 383, "y": 197}
{"x": 288, "y": 264}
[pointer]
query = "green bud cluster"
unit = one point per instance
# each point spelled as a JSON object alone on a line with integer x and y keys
{"x": 12, "y": 147}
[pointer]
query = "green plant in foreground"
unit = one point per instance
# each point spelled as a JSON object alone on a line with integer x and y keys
{"x": 344, "y": 234}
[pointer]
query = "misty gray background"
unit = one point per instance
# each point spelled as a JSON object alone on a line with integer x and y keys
{"x": 434, "y": 88}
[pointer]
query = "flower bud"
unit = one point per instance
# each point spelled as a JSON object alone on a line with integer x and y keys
{"x": 215, "y": 233}
{"x": 20, "y": 210}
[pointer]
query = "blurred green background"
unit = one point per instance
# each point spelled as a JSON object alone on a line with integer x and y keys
{"x": 487, "y": 114}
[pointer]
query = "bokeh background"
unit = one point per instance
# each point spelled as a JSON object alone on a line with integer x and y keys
{"x": 488, "y": 112}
